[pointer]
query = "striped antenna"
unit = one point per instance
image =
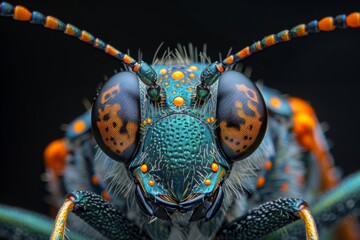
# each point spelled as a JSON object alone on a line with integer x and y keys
{"x": 146, "y": 73}
{"x": 211, "y": 74}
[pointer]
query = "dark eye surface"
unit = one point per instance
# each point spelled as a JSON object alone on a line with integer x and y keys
{"x": 241, "y": 114}
{"x": 116, "y": 116}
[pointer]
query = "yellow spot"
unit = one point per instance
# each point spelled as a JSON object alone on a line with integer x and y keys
{"x": 166, "y": 84}
{"x": 212, "y": 119}
{"x": 183, "y": 81}
{"x": 174, "y": 92}
{"x": 149, "y": 120}
{"x": 208, "y": 120}
{"x": 214, "y": 167}
{"x": 192, "y": 75}
{"x": 260, "y": 182}
{"x": 179, "y": 101}
{"x": 166, "y": 76}
{"x": 190, "y": 88}
{"x": 161, "y": 79}
{"x": 144, "y": 168}
{"x": 79, "y": 126}
{"x": 275, "y": 102}
{"x": 151, "y": 183}
{"x": 177, "y": 75}
{"x": 193, "y": 68}
{"x": 177, "y": 85}
{"x": 207, "y": 182}
{"x": 163, "y": 71}
{"x": 144, "y": 122}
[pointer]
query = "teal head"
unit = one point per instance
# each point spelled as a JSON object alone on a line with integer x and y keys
{"x": 180, "y": 148}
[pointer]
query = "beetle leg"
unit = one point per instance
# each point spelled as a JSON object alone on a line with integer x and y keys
{"x": 268, "y": 218}
{"x": 332, "y": 207}
{"x": 99, "y": 214}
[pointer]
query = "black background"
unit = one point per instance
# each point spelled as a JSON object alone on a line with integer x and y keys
{"x": 45, "y": 75}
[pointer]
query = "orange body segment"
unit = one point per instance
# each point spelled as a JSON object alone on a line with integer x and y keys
{"x": 54, "y": 156}
{"x": 353, "y": 20}
{"x": 326, "y": 24}
{"x": 51, "y": 22}
{"x": 22, "y": 14}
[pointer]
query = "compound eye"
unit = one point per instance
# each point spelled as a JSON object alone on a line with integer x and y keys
{"x": 242, "y": 116}
{"x": 116, "y": 117}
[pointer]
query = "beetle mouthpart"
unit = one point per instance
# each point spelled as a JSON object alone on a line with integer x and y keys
{"x": 209, "y": 207}
{"x": 149, "y": 207}
{"x": 140, "y": 199}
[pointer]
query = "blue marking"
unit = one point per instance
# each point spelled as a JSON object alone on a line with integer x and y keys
{"x": 37, "y": 18}
{"x": 312, "y": 27}
{"x": 6, "y": 9}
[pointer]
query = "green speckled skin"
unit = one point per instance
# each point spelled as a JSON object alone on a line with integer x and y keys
{"x": 179, "y": 139}
{"x": 102, "y": 215}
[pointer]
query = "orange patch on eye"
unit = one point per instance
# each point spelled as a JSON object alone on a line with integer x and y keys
{"x": 79, "y": 126}
{"x": 250, "y": 93}
{"x": 21, "y": 13}
{"x": 110, "y": 129}
{"x": 241, "y": 138}
{"x": 110, "y": 93}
